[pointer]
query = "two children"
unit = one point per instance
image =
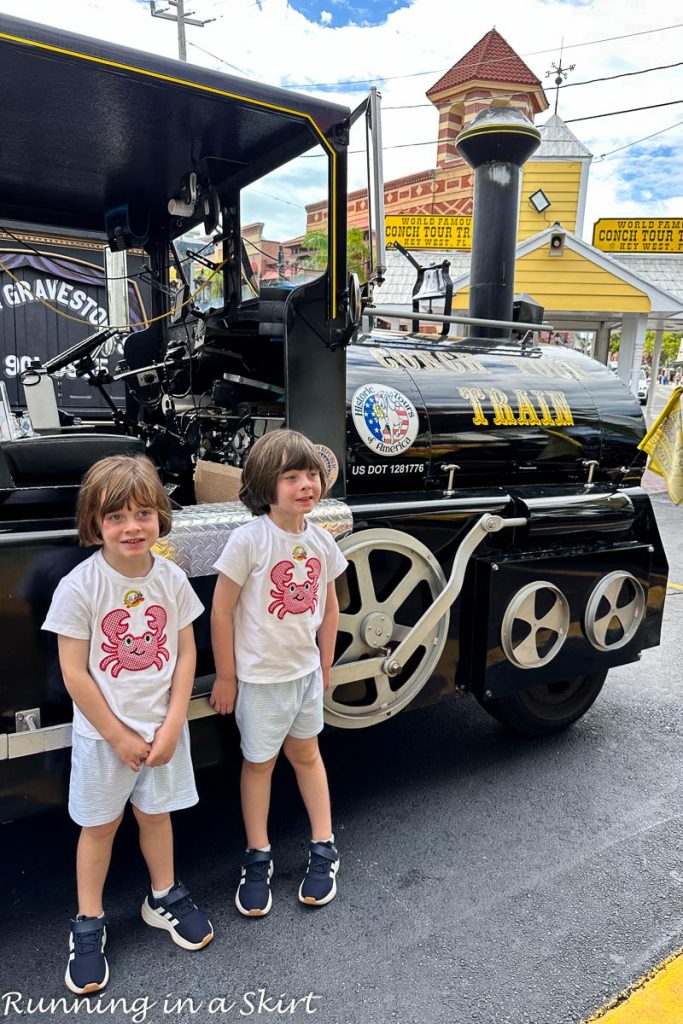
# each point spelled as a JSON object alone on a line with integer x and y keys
{"x": 126, "y": 648}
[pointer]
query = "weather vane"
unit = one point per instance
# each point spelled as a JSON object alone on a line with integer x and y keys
{"x": 560, "y": 74}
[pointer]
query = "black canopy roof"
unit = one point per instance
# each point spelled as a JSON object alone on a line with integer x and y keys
{"x": 88, "y": 126}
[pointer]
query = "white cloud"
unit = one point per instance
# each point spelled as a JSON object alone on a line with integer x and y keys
{"x": 274, "y": 43}
{"x": 325, "y": 18}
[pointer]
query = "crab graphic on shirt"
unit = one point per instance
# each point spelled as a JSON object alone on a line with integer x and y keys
{"x": 130, "y": 652}
{"x": 291, "y": 596}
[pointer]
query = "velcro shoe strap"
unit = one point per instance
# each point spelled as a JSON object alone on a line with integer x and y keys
{"x": 179, "y": 892}
{"x": 94, "y": 924}
{"x": 324, "y": 851}
{"x": 257, "y": 857}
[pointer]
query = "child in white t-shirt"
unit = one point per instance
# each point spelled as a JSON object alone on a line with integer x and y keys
{"x": 273, "y": 626}
{"x": 127, "y": 654}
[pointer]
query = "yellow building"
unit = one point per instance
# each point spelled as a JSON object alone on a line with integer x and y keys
{"x": 581, "y": 288}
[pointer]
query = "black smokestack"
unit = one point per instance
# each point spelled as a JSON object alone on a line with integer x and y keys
{"x": 496, "y": 143}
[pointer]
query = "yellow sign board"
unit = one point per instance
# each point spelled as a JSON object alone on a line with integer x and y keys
{"x": 642, "y": 234}
{"x": 419, "y": 231}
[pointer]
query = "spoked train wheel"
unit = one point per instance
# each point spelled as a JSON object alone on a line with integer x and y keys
{"x": 390, "y": 581}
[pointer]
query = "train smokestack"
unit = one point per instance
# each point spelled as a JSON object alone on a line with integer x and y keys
{"x": 496, "y": 144}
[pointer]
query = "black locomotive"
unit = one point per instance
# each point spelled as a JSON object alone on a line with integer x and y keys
{"x": 487, "y": 493}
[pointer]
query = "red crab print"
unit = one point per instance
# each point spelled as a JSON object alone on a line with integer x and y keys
{"x": 134, "y": 653}
{"x": 292, "y": 597}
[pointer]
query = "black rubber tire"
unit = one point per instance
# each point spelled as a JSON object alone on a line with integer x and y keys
{"x": 543, "y": 710}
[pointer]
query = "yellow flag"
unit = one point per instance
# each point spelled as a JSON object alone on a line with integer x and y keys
{"x": 664, "y": 444}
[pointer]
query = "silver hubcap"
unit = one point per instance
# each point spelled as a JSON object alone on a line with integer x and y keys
{"x": 535, "y": 625}
{"x": 391, "y": 580}
{"x": 614, "y": 611}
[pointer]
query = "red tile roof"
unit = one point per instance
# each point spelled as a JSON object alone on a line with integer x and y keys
{"x": 492, "y": 59}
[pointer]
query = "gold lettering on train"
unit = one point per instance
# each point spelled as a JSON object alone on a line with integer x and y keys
{"x": 527, "y": 413}
{"x": 549, "y": 368}
{"x": 476, "y": 396}
{"x": 546, "y": 415}
{"x": 383, "y": 358}
{"x": 407, "y": 359}
{"x": 503, "y": 416}
{"x": 423, "y": 359}
{"x": 563, "y": 414}
{"x": 428, "y": 361}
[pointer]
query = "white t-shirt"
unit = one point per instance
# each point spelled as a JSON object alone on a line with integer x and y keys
{"x": 132, "y": 624}
{"x": 284, "y": 579}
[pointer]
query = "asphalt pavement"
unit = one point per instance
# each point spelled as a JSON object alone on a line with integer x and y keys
{"x": 484, "y": 878}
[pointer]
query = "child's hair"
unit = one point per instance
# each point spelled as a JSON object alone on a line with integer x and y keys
{"x": 114, "y": 483}
{"x": 275, "y": 453}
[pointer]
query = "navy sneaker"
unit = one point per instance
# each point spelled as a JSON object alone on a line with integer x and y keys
{"x": 87, "y": 969}
{"x": 188, "y": 926}
{"x": 320, "y": 883}
{"x": 253, "y": 897}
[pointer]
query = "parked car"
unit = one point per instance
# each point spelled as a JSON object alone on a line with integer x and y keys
{"x": 643, "y": 387}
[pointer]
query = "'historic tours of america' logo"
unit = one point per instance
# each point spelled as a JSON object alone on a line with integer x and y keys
{"x": 385, "y": 419}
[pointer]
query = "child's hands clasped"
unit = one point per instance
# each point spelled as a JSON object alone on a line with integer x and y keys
{"x": 163, "y": 745}
{"x": 131, "y": 748}
{"x": 223, "y": 695}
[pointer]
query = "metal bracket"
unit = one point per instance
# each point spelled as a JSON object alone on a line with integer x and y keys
{"x": 591, "y": 465}
{"x": 485, "y": 525}
{"x": 27, "y": 721}
{"x": 450, "y": 469}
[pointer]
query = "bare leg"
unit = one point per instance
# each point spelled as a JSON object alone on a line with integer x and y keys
{"x": 156, "y": 843}
{"x": 255, "y": 792}
{"x": 304, "y": 757}
{"x": 93, "y": 857}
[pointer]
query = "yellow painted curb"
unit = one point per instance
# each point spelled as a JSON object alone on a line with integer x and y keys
{"x": 655, "y": 999}
{"x": 675, "y": 586}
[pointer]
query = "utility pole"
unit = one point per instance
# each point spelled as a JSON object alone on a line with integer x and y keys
{"x": 182, "y": 19}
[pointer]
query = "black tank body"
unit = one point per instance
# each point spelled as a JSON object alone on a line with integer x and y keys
{"x": 501, "y": 415}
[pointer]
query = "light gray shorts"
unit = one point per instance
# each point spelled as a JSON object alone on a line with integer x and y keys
{"x": 266, "y": 713}
{"x": 101, "y": 784}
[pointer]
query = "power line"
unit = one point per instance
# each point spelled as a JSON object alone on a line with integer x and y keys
{"x": 220, "y": 3}
{"x": 624, "y": 74}
{"x": 631, "y": 110}
{"x": 628, "y": 145}
{"x": 567, "y": 85}
{"x": 409, "y": 145}
{"x": 479, "y": 64}
{"x": 220, "y": 59}
{"x": 590, "y": 117}
{"x": 483, "y": 63}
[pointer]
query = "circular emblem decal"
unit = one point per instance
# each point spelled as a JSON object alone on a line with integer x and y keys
{"x": 386, "y": 420}
{"x": 329, "y": 462}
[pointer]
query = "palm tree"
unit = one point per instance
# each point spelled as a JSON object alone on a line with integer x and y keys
{"x": 315, "y": 245}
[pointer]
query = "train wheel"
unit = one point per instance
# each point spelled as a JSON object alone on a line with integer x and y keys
{"x": 542, "y": 710}
{"x": 391, "y": 580}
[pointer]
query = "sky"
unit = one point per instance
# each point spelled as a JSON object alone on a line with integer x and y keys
{"x": 339, "y": 48}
